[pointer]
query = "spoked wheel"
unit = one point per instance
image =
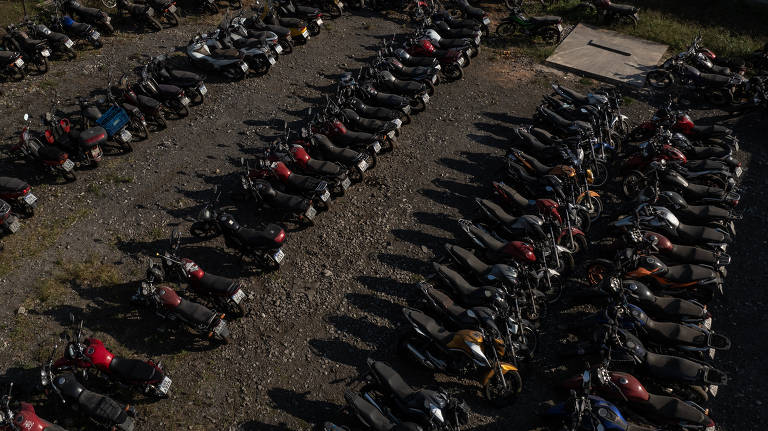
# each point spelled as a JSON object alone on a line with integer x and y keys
{"x": 506, "y": 30}
{"x": 594, "y": 207}
{"x": 566, "y": 263}
{"x": 334, "y": 11}
{"x": 430, "y": 86}
{"x": 529, "y": 339}
{"x": 355, "y": 175}
{"x": 139, "y": 128}
{"x": 287, "y": 46}
{"x": 576, "y": 246}
{"x": 554, "y": 289}
{"x": 503, "y": 392}
{"x": 596, "y": 272}
{"x": 42, "y": 65}
{"x": 659, "y": 79}
{"x": 173, "y": 19}
{"x": 181, "y": 110}
{"x": 633, "y": 184}
{"x": 453, "y": 72}
{"x": 599, "y": 173}
{"x": 406, "y": 119}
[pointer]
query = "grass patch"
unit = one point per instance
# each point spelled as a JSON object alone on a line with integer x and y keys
{"x": 48, "y": 84}
{"x": 586, "y": 82}
{"x": 119, "y": 179}
{"x": 537, "y": 52}
{"x": 88, "y": 273}
{"x": 95, "y": 189}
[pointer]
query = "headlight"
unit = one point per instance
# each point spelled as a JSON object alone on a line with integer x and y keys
{"x": 590, "y": 176}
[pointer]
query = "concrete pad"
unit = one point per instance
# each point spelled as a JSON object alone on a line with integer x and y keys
{"x": 606, "y": 55}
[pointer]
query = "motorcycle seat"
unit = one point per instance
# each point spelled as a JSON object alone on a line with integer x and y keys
{"x": 492, "y": 243}
{"x": 168, "y": 89}
{"x": 690, "y": 254}
{"x": 260, "y": 237}
{"x": 720, "y": 70}
{"x": 250, "y": 43}
{"x": 338, "y": 153}
{"x": 706, "y": 165}
{"x": 689, "y": 273}
{"x": 226, "y": 53}
{"x": 512, "y": 196}
{"x": 545, "y": 19}
{"x": 574, "y": 95}
{"x": 8, "y": 184}
{"x": 194, "y": 312}
{"x": 529, "y": 141}
{"x": 221, "y": 286}
{"x": 324, "y": 167}
{"x": 31, "y": 43}
{"x": 147, "y": 101}
{"x": 697, "y": 234}
{"x": 623, "y": 9}
{"x": 183, "y": 74}
{"x": 101, "y": 407}
{"x": 672, "y": 367}
{"x": 134, "y": 370}
{"x": 50, "y": 153}
{"x": 80, "y": 27}
{"x": 285, "y": 200}
{"x": 90, "y": 137}
{"x": 368, "y": 413}
{"x": 707, "y": 151}
{"x": 447, "y": 303}
{"x": 470, "y": 295}
{"x": 392, "y": 380}
{"x": 673, "y": 408}
{"x": 716, "y": 130}
{"x": 380, "y": 113}
{"x": 468, "y": 259}
{"x": 353, "y": 138}
{"x": 698, "y": 191}
{"x": 710, "y": 212}
{"x": 92, "y": 112}
{"x": 8, "y": 55}
{"x": 430, "y": 326}
{"x": 714, "y": 79}
{"x": 304, "y": 183}
{"x": 307, "y": 10}
{"x": 291, "y": 22}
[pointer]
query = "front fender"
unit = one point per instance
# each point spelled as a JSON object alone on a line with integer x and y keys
{"x": 505, "y": 368}
{"x": 592, "y": 193}
{"x": 573, "y": 230}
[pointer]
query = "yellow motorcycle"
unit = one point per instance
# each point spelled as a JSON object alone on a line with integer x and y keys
{"x": 268, "y": 13}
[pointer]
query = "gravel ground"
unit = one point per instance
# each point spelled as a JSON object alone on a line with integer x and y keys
{"x": 336, "y": 301}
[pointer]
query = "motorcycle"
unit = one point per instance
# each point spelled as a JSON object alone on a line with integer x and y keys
{"x": 115, "y": 122}
{"x": 19, "y": 195}
{"x": 33, "y": 51}
{"x": 170, "y": 306}
{"x": 371, "y": 416}
{"x": 86, "y": 356}
{"x": 8, "y": 221}
{"x": 88, "y": 14}
{"x": 321, "y": 145}
{"x": 433, "y": 347}
{"x": 265, "y": 195}
{"x": 548, "y": 28}
{"x": 610, "y": 12}
{"x": 84, "y": 146}
{"x": 143, "y": 14}
{"x": 24, "y": 418}
{"x": 60, "y": 42}
{"x": 165, "y": 9}
{"x": 100, "y": 409}
{"x": 309, "y": 187}
{"x": 192, "y": 83}
{"x": 80, "y": 31}
{"x": 264, "y": 245}
{"x": 172, "y": 97}
{"x": 49, "y": 158}
{"x": 152, "y": 110}
{"x": 13, "y": 65}
{"x": 225, "y": 61}
{"x": 451, "y": 60}
{"x": 589, "y": 412}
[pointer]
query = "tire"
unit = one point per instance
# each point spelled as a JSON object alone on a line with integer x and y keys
{"x": 418, "y": 105}
{"x": 633, "y": 184}
{"x": 173, "y": 19}
{"x": 719, "y": 97}
{"x": 140, "y": 128}
{"x": 154, "y": 23}
{"x": 287, "y": 46}
{"x": 580, "y": 243}
{"x": 659, "y": 79}
{"x": 467, "y": 59}
{"x": 160, "y": 122}
{"x": 97, "y": 43}
{"x": 406, "y": 119}
{"x": 595, "y": 207}
{"x": 500, "y": 396}
{"x": 109, "y": 29}
{"x": 334, "y": 11}
{"x": 200, "y": 99}
{"x": 181, "y": 110}
{"x": 201, "y": 230}
{"x": 453, "y": 72}
{"x": 20, "y": 75}
{"x": 550, "y": 36}
{"x": 314, "y": 28}
{"x": 69, "y": 176}
{"x": 355, "y": 175}
{"x": 554, "y": 289}
{"x": 126, "y": 146}
{"x": 70, "y": 53}
{"x": 585, "y": 222}
{"x": 530, "y": 339}
{"x": 374, "y": 160}
{"x": 430, "y": 86}
{"x": 511, "y": 4}
{"x": 42, "y": 68}
{"x": 599, "y": 173}
{"x": 567, "y": 264}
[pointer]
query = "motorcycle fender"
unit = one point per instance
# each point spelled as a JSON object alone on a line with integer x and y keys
{"x": 505, "y": 368}
{"x": 591, "y": 193}
{"x": 573, "y": 230}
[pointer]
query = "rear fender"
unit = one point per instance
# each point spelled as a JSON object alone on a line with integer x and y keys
{"x": 566, "y": 231}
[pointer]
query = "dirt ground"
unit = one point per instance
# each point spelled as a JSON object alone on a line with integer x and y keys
{"x": 337, "y": 299}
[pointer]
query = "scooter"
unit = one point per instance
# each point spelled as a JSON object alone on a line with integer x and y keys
{"x": 89, "y": 355}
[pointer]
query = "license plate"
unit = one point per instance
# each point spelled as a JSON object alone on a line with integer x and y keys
{"x": 346, "y": 183}
{"x": 407, "y": 109}
{"x": 219, "y": 327}
{"x": 238, "y": 296}
{"x": 339, "y": 4}
{"x": 738, "y": 171}
{"x": 376, "y": 147}
{"x": 172, "y": 8}
{"x": 244, "y": 67}
{"x": 279, "y": 256}
{"x": 125, "y": 135}
{"x": 559, "y": 28}
{"x": 95, "y": 35}
{"x": 150, "y": 12}
{"x": 68, "y": 165}
{"x": 486, "y": 21}
{"x": 391, "y": 134}
{"x": 19, "y": 63}
{"x": 325, "y": 196}
{"x": 711, "y": 353}
{"x": 434, "y": 78}
{"x": 477, "y": 40}
{"x": 69, "y": 43}
{"x": 460, "y": 61}
{"x": 362, "y": 165}
{"x": 278, "y": 48}
{"x": 96, "y": 152}
{"x": 272, "y": 60}
{"x": 305, "y": 33}
{"x": 311, "y": 212}
{"x": 45, "y": 53}
{"x": 319, "y": 21}
{"x": 30, "y": 199}
{"x": 203, "y": 89}
{"x": 708, "y": 323}
{"x": 164, "y": 386}
{"x": 15, "y": 226}
{"x": 713, "y": 390}
{"x": 425, "y": 97}
{"x": 185, "y": 100}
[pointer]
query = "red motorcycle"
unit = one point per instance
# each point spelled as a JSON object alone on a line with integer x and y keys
{"x": 452, "y": 60}
{"x": 681, "y": 122}
{"x": 48, "y": 157}
{"x": 23, "y": 419}
{"x": 659, "y": 409}
{"x": 309, "y": 187}
{"x": 89, "y": 355}
{"x": 19, "y": 194}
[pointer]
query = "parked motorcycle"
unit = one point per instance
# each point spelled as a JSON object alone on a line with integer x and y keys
{"x": 80, "y": 31}
{"x": 33, "y": 51}
{"x": 548, "y": 28}
{"x": 47, "y": 157}
{"x": 19, "y": 195}
{"x": 142, "y": 14}
{"x": 60, "y": 42}
{"x": 90, "y": 15}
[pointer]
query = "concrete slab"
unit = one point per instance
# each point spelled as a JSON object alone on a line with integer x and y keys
{"x": 607, "y": 55}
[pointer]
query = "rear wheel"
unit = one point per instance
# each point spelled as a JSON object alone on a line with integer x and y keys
{"x": 173, "y": 19}
{"x": 599, "y": 173}
{"x": 70, "y": 53}
{"x": 430, "y": 86}
{"x": 286, "y": 45}
{"x": 333, "y": 9}
{"x": 550, "y": 35}
{"x": 160, "y": 121}
{"x": 139, "y": 128}
{"x": 454, "y": 72}
{"x": 97, "y": 43}
{"x": 201, "y": 229}
{"x": 633, "y": 184}
{"x": 506, "y": 30}
{"x": 314, "y": 28}
{"x": 578, "y": 245}
{"x": 42, "y": 65}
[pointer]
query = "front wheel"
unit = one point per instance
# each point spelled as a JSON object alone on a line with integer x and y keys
{"x": 500, "y": 392}
{"x": 576, "y": 246}
{"x": 633, "y": 184}
{"x": 454, "y": 72}
{"x": 160, "y": 121}
{"x": 551, "y": 36}
{"x": 506, "y": 30}
{"x": 287, "y": 46}
{"x": 202, "y": 230}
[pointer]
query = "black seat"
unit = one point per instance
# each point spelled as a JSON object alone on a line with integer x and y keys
{"x": 92, "y": 136}
{"x": 468, "y": 259}
{"x": 671, "y": 367}
{"x": 690, "y": 254}
{"x": 545, "y": 19}
{"x": 698, "y": 234}
{"x": 293, "y": 202}
{"x": 8, "y": 54}
{"x": 50, "y": 153}
{"x": 688, "y": 273}
{"x": 708, "y": 151}
{"x": 80, "y": 27}
{"x": 148, "y": 101}
{"x": 456, "y": 311}
{"x": 12, "y": 184}
{"x": 98, "y": 406}
{"x": 372, "y": 416}
{"x": 713, "y": 79}
{"x": 574, "y": 95}
{"x": 325, "y": 168}
{"x": 260, "y": 237}
{"x": 706, "y": 165}
{"x": 342, "y": 154}
{"x": 431, "y": 326}
{"x": 304, "y": 183}
{"x": 194, "y": 312}
{"x": 218, "y": 285}
{"x": 392, "y": 380}
{"x": 470, "y": 295}
{"x": 497, "y": 212}
{"x": 675, "y": 333}
{"x": 622, "y": 8}
{"x": 673, "y": 408}
{"x": 134, "y": 370}
{"x": 492, "y": 243}
{"x": 698, "y": 191}
{"x": 514, "y": 197}
{"x": 716, "y": 130}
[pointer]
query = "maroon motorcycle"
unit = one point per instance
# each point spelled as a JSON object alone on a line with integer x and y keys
{"x": 19, "y": 194}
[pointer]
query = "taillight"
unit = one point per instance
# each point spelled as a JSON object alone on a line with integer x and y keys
{"x": 281, "y": 236}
